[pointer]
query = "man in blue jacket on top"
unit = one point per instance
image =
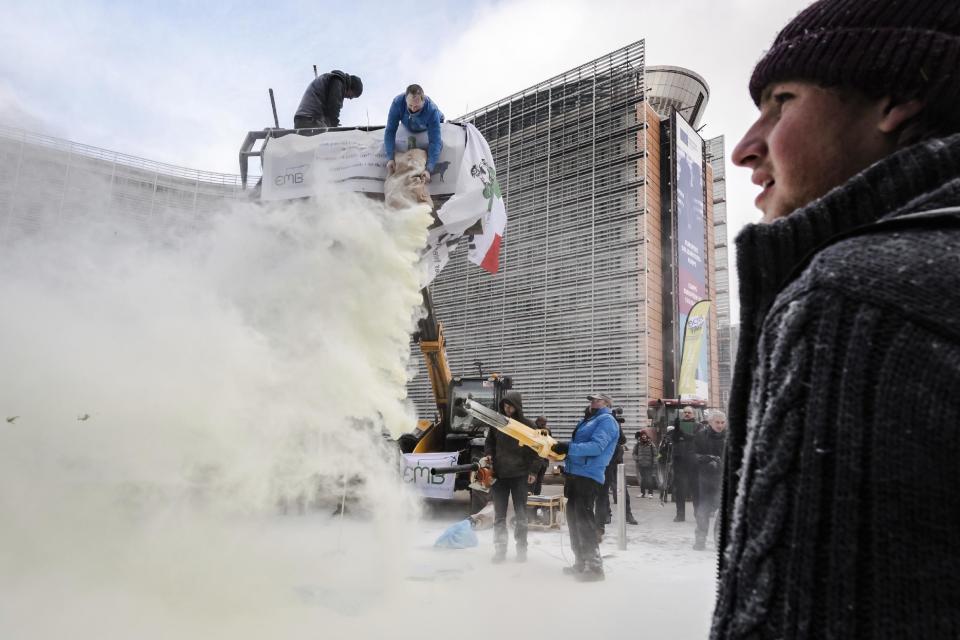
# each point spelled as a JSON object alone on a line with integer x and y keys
{"x": 418, "y": 113}
{"x": 588, "y": 453}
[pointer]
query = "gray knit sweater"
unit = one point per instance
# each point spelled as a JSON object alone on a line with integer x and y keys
{"x": 842, "y": 479}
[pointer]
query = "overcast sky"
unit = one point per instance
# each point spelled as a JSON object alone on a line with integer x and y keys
{"x": 182, "y": 82}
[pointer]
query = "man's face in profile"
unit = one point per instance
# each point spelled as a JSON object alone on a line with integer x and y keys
{"x": 808, "y": 140}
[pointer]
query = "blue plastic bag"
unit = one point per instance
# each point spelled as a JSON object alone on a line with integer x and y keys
{"x": 458, "y": 536}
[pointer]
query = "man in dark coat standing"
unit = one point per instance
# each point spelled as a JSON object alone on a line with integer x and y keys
{"x": 684, "y": 462}
{"x": 850, "y": 333}
{"x": 514, "y": 468}
{"x": 708, "y": 446}
{"x": 645, "y": 458}
{"x": 323, "y": 99}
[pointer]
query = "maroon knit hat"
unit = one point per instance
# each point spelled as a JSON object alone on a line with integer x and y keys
{"x": 910, "y": 48}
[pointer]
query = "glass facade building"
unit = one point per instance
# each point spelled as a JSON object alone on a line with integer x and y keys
{"x": 578, "y": 303}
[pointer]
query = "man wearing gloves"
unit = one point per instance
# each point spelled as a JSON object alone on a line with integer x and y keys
{"x": 418, "y": 113}
{"x": 588, "y": 453}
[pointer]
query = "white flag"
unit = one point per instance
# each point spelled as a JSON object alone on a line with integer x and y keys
{"x": 440, "y": 244}
{"x": 478, "y": 198}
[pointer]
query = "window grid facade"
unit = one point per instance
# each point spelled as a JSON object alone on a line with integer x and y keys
{"x": 565, "y": 315}
{"x": 715, "y": 157}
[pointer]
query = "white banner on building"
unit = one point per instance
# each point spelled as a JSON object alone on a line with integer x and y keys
{"x": 415, "y": 471}
{"x": 297, "y": 166}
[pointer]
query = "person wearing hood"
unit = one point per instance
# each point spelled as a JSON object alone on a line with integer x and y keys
{"x": 588, "y": 453}
{"x": 514, "y": 467}
{"x": 323, "y": 99}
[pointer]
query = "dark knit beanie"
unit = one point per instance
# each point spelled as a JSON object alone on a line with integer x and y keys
{"x": 356, "y": 84}
{"x": 905, "y": 48}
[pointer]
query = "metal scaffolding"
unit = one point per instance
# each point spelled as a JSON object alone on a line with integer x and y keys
{"x": 565, "y": 314}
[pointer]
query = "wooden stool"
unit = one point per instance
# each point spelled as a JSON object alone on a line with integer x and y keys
{"x": 556, "y": 507}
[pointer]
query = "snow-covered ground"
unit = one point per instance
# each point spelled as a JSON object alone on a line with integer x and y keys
{"x": 317, "y": 576}
{"x": 658, "y": 587}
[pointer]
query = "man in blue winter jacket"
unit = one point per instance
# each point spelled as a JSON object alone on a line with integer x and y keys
{"x": 418, "y": 113}
{"x": 588, "y": 453}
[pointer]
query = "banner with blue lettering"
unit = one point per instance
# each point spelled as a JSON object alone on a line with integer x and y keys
{"x": 415, "y": 470}
{"x": 296, "y": 166}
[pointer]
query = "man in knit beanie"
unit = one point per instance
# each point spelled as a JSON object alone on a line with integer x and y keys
{"x": 850, "y": 333}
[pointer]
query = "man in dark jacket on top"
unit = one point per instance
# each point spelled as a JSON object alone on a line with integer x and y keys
{"x": 323, "y": 99}
{"x": 850, "y": 333}
{"x": 514, "y": 467}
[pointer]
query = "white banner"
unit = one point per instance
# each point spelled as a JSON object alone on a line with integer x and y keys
{"x": 478, "y": 198}
{"x": 415, "y": 470}
{"x": 297, "y": 166}
{"x": 468, "y": 203}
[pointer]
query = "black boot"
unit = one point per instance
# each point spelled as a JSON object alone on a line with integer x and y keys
{"x": 575, "y": 568}
{"x": 592, "y": 570}
{"x": 500, "y": 555}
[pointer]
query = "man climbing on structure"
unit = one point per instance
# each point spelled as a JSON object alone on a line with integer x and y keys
{"x": 418, "y": 113}
{"x": 323, "y": 99}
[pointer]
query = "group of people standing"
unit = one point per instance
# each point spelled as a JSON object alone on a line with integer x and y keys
{"x": 593, "y": 452}
{"x": 518, "y": 469}
{"x": 322, "y": 101}
{"x": 696, "y": 454}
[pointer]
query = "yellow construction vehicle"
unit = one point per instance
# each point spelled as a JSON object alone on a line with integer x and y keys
{"x": 454, "y": 429}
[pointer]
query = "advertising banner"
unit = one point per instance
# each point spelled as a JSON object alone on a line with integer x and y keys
{"x": 415, "y": 470}
{"x": 694, "y": 345}
{"x": 297, "y": 166}
{"x": 691, "y": 240}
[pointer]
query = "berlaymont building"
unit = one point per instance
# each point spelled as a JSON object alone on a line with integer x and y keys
{"x": 616, "y": 226}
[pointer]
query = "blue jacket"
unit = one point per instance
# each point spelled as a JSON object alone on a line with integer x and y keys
{"x": 594, "y": 442}
{"x": 427, "y": 119}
